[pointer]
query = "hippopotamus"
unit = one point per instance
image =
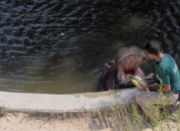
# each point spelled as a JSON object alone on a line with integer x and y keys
{"x": 118, "y": 73}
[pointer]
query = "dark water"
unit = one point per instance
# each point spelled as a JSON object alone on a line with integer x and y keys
{"x": 52, "y": 46}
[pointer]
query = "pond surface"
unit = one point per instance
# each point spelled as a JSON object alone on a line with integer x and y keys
{"x": 51, "y": 46}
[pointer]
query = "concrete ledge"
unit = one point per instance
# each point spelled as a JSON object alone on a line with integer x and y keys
{"x": 45, "y": 103}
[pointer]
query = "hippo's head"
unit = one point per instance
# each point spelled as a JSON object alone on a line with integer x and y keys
{"x": 128, "y": 60}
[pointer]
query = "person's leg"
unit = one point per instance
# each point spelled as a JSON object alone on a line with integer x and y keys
{"x": 147, "y": 100}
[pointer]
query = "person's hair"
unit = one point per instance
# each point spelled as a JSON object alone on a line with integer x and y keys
{"x": 153, "y": 47}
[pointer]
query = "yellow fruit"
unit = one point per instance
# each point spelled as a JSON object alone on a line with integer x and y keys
{"x": 136, "y": 83}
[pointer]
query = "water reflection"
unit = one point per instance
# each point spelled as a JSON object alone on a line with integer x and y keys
{"x": 37, "y": 74}
{"x": 59, "y": 46}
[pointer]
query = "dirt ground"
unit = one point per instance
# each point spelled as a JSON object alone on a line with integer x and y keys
{"x": 34, "y": 122}
{"x": 25, "y": 122}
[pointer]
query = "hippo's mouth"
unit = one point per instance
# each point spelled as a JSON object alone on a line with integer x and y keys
{"x": 130, "y": 71}
{"x": 130, "y": 65}
{"x": 120, "y": 71}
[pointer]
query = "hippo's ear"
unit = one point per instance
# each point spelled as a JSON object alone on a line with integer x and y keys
{"x": 110, "y": 65}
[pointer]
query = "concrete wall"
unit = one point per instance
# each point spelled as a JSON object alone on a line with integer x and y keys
{"x": 48, "y": 103}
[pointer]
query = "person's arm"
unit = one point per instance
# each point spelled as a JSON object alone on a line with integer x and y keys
{"x": 165, "y": 87}
{"x": 156, "y": 87}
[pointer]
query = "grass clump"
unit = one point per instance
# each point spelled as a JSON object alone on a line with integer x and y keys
{"x": 131, "y": 118}
{"x": 128, "y": 118}
{"x": 2, "y": 111}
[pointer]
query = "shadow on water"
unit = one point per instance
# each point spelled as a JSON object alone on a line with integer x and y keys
{"x": 51, "y": 46}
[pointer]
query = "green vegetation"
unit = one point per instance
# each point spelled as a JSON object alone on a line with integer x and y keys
{"x": 131, "y": 118}
{"x": 2, "y": 111}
